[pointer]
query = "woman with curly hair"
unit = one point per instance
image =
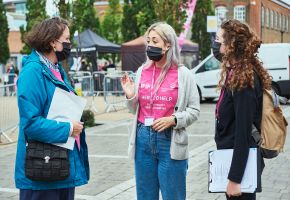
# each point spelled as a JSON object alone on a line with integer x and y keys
{"x": 242, "y": 81}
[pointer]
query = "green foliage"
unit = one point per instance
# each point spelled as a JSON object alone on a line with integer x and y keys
{"x": 111, "y": 25}
{"x": 129, "y": 27}
{"x": 145, "y": 16}
{"x": 138, "y": 16}
{"x": 36, "y": 13}
{"x": 199, "y": 33}
{"x": 4, "y": 49}
{"x": 84, "y": 17}
{"x": 64, "y": 9}
{"x": 88, "y": 118}
{"x": 171, "y": 11}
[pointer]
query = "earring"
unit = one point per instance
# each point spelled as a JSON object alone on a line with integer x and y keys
{"x": 54, "y": 48}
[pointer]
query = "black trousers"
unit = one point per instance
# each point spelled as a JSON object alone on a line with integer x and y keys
{"x": 244, "y": 196}
{"x": 55, "y": 194}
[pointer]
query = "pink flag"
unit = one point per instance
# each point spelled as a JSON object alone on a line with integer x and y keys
{"x": 186, "y": 26}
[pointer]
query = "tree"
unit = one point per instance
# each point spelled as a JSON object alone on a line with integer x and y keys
{"x": 36, "y": 13}
{"x": 84, "y": 17}
{"x": 112, "y": 22}
{"x": 199, "y": 33}
{"x": 64, "y": 9}
{"x": 4, "y": 31}
{"x": 145, "y": 15}
{"x": 171, "y": 11}
{"x": 129, "y": 27}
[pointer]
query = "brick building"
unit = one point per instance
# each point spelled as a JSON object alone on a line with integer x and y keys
{"x": 269, "y": 18}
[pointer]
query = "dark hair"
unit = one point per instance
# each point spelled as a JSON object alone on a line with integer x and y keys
{"x": 242, "y": 45}
{"x": 43, "y": 33}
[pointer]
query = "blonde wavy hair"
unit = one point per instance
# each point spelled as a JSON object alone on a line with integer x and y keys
{"x": 168, "y": 35}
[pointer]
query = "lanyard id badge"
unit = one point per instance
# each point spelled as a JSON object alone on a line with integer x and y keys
{"x": 148, "y": 121}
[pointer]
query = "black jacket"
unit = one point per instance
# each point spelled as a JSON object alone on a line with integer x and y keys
{"x": 237, "y": 112}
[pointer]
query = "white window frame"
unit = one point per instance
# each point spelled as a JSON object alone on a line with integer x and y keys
{"x": 267, "y": 18}
{"x": 263, "y": 16}
{"x": 280, "y": 22}
{"x": 240, "y": 13}
{"x": 271, "y": 19}
{"x": 275, "y": 20}
{"x": 221, "y": 13}
{"x": 287, "y": 24}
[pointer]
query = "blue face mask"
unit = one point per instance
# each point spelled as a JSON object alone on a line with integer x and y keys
{"x": 216, "y": 51}
{"x": 154, "y": 53}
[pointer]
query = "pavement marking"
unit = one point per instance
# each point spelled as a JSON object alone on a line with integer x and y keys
{"x": 9, "y": 190}
{"x": 16, "y": 191}
{"x": 197, "y": 157}
{"x": 286, "y": 112}
{"x": 126, "y": 135}
{"x": 108, "y": 135}
{"x": 108, "y": 156}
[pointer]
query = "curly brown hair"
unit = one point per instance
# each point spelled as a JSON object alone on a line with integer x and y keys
{"x": 241, "y": 56}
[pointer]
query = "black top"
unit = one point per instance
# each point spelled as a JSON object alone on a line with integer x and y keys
{"x": 237, "y": 112}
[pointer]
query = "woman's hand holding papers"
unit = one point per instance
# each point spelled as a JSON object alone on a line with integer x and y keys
{"x": 233, "y": 189}
{"x": 77, "y": 128}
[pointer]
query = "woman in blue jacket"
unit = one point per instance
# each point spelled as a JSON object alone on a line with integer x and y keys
{"x": 40, "y": 76}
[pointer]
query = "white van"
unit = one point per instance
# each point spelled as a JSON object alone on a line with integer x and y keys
{"x": 275, "y": 58}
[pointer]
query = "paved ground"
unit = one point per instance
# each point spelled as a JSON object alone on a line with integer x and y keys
{"x": 112, "y": 174}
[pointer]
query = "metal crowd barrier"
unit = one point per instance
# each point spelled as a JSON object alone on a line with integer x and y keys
{"x": 9, "y": 88}
{"x": 98, "y": 78}
{"x": 113, "y": 94}
{"x": 83, "y": 82}
{"x": 9, "y": 117}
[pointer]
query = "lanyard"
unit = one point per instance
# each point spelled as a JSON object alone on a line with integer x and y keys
{"x": 222, "y": 94}
{"x": 152, "y": 96}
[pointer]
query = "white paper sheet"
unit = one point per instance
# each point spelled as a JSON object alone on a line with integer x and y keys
{"x": 65, "y": 107}
{"x": 219, "y": 166}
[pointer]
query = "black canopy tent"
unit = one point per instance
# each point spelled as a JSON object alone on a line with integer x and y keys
{"x": 133, "y": 53}
{"x": 90, "y": 44}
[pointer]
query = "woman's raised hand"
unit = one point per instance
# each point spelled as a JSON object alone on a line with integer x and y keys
{"x": 128, "y": 86}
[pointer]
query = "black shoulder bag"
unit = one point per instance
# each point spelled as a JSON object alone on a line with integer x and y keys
{"x": 46, "y": 162}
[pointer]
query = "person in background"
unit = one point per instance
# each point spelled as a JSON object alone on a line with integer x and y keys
{"x": 165, "y": 101}
{"x": 240, "y": 103}
{"x": 42, "y": 73}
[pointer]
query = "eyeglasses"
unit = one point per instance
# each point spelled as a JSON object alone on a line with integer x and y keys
{"x": 67, "y": 43}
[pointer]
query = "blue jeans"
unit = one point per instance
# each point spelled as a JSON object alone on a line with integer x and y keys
{"x": 155, "y": 169}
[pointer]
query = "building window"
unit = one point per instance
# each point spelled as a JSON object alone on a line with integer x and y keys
{"x": 263, "y": 16}
{"x": 240, "y": 13}
{"x": 271, "y": 19}
{"x": 221, "y": 13}
{"x": 267, "y": 17}
{"x": 280, "y": 22}
{"x": 275, "y": 20}
{"x": 286, "y": 24}
{"x": 20, "y": 8}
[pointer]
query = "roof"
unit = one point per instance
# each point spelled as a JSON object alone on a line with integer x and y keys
{"x": 88, "y": 39}
{"x": 139, "y": 45}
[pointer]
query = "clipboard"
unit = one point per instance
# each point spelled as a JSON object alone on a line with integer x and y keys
{"x": 219, "y": 163}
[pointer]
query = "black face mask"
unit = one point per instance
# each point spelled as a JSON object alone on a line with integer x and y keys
{"x": 216, "y": 51}
{"x": 64, "y": 54}
{"x": 154, "y": 53}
